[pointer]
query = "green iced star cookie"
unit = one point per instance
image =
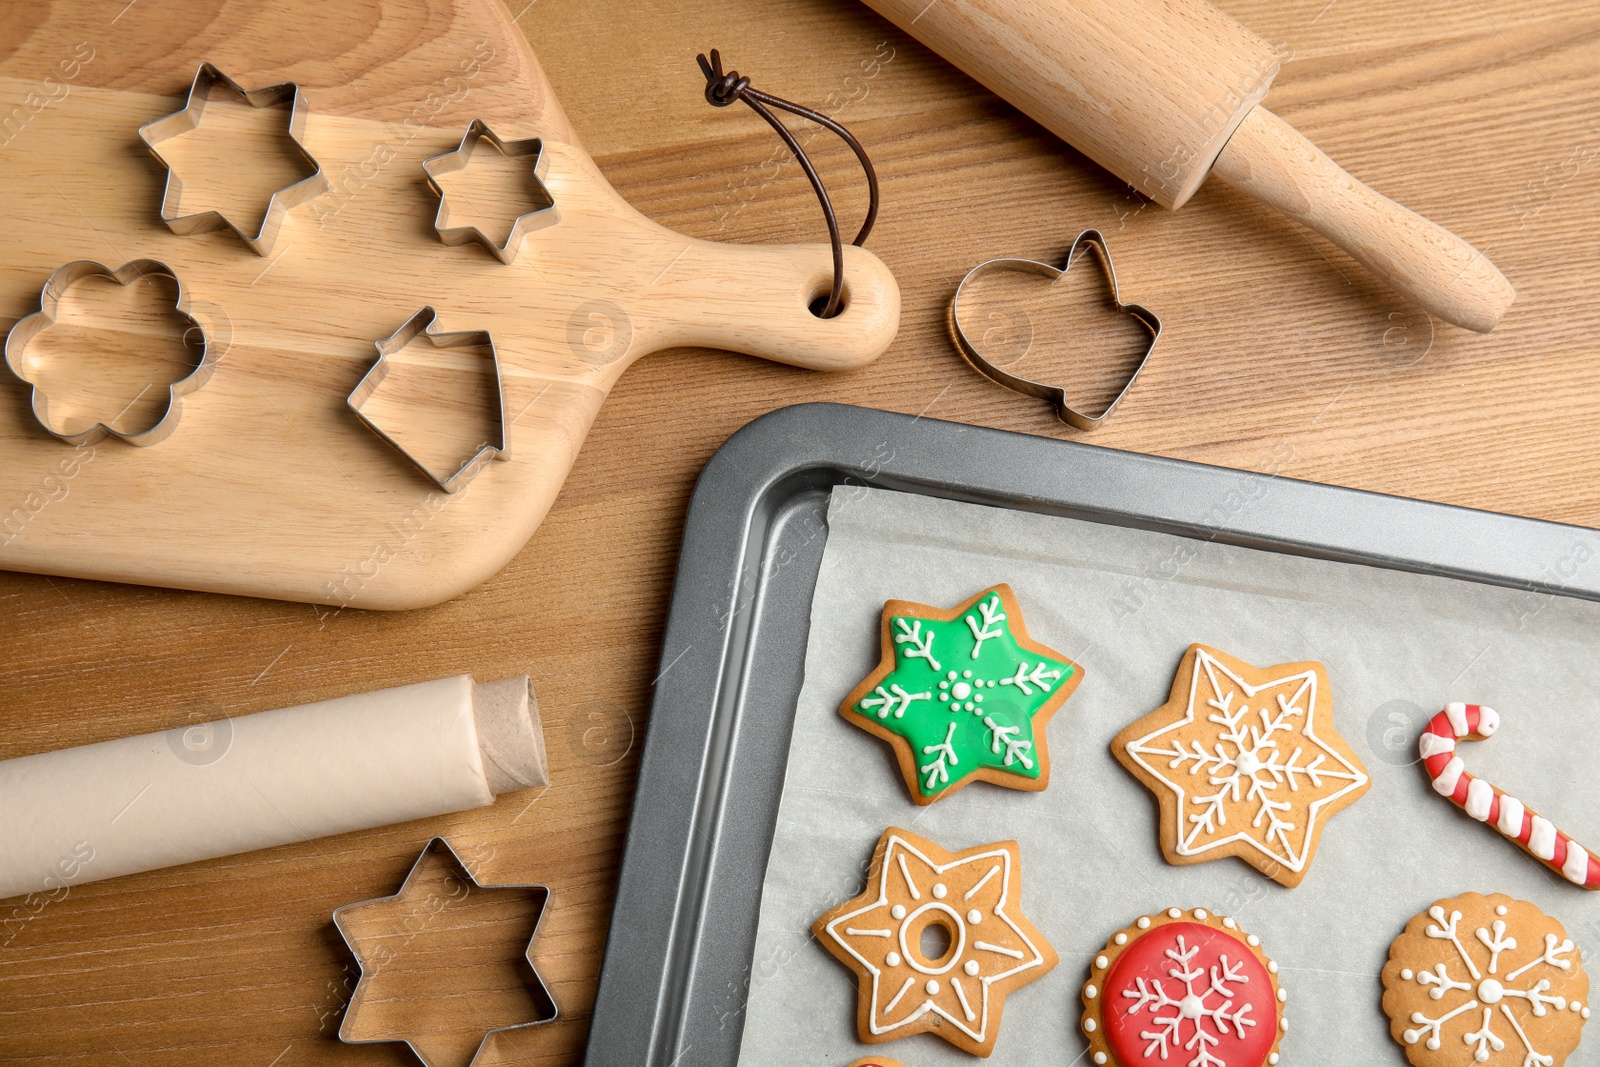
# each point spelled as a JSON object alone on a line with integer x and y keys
{"x": 963, "y": 695}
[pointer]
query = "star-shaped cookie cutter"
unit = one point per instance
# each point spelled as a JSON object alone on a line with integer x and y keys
{"x": 541, "y": 993}
{"x": 187, "y": 119}
{"x": 55, "y": 288}
{"x": 459, "y": 159}
{"x": 420, "y": 325}
{"x": 1054, "y": 394}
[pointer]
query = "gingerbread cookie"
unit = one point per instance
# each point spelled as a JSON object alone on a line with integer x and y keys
{"x": 1533, "y": 833}
{"x": 988, "y": 948}
{"x": 1185, "y": 987}
{"x": 1485, "y": 979}
{"x": 1245, "y": 761}
{"x": 963, "y": 695}
{"x": 875, "y": 1061}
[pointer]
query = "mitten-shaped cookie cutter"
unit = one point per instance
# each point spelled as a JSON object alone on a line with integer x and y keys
{"x": 187, "y": 119}
{"x": 55, "y": 288}
{"x": 1054, "y": 394}
{"x": 420, "y": 325}
{"x": 459, "y": 159}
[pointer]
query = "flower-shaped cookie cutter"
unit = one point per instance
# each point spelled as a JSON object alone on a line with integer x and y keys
{"x": 185, "y": 120}
{"x": 1054, "y": 394}
{"x": 55, "y": 288}
{"x": 420, "y": 325}
{"x": 459, "y": 159}
{"x": 371, "y": 964}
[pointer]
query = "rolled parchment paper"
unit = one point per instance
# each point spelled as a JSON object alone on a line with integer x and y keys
{"x": 215, "y": 789}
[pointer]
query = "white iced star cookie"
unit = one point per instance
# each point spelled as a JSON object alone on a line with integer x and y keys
{"x": 966, "y": 905}
{"x": 1245, "y": 762}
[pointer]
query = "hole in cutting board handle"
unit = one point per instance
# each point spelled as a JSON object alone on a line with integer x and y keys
{"x": 819, "y": 299}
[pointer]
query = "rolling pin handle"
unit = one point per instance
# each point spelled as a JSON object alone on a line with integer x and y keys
{"x": 1446, "y": 276}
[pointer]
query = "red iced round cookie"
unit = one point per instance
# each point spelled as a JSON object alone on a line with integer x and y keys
{"x": 1185, "y": 986}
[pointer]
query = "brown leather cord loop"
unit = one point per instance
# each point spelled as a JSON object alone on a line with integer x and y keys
{"x": 723, "y": 88}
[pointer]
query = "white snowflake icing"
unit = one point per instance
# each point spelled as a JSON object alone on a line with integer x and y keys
{"x": 1194, "y": 1007}
{"x": 1040, "y": 675}
{"x": 921, "y": 643}
{"x": 1247, "y": 762}
{"x": 1006, "y": 736}
{"x": 938, "y": 771}
{"x": 1487, "y": 989}
{"x": 894, "y": 700}
{"x": 993, "y": 616}
{"x": 1000, "y": 720}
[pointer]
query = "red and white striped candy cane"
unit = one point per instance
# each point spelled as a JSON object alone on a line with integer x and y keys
{"x": 1537, "y": 835}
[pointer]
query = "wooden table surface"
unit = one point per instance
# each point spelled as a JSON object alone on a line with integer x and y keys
{"x": 1279, "y": 355}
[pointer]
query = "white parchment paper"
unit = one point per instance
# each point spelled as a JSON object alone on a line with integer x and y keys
{"x": 1126, "y": 604}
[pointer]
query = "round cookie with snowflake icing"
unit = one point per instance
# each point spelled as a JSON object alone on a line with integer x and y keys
{"x": 1184, "y": 987}
{"x": 963, "y": 695}
{"x": 1485, "y": 980}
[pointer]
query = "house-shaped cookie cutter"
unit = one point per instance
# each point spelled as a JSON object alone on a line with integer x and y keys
{"x": 185, "y": 120}
{"x": 55, "y": 288}
{"x": 420, "y": 325}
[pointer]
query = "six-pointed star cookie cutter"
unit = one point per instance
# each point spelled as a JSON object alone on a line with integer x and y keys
{"x": 206, "y": 80}
{"x": 420, "y": 325}
{"x": 541, "y": 993}
{"x": 55, "y": 288}
{"x": 459, "y": 159}
{"x": 1054, "y": 394}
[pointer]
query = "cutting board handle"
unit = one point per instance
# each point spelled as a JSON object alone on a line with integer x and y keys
{"x": 1275, "y": 163}
{"x": 754, "y": 299}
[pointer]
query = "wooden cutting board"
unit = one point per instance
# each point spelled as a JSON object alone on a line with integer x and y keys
{"x": 270, "y": 486}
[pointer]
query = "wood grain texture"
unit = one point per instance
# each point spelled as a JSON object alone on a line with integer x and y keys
{"x": 1280, "y": 354}
{"x": 1150, "y": 89}
{"x": 326, "y": 495}
{"x": 1276, "y": 164}
{"x": 1161, "y": 92}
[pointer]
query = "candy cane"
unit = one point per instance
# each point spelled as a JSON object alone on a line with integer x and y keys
{"x": 1537, "y": 836}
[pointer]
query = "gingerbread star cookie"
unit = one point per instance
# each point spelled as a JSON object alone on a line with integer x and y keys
{"x": 1245, "y": 761}
{"x": 1186, "y": 988}
{"x": 1485, "y": 980}
{"x": 988, "y": 947}
{"x": 963, "y": 695}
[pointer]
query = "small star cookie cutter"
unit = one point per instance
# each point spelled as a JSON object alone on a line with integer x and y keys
{"x": 421, "y": 325}
{"x": 55, "y": 288}
{"x": 549, "y": 1012}
{"x": 185, "y": 120}
{"x": 459, "y": 159}
{"x": 1054, "y": 394}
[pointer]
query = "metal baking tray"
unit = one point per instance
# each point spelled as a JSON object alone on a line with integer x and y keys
{"x": 679, "y": 957}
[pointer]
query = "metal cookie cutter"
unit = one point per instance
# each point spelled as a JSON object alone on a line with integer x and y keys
{"x": 450, "y": 162}
{"x": 206, "y": 80}
{"x": 55, "y": 288}
{"x": 420, "y": 325}
{"x": 371, "y": 964}
{"x": 1054, "y": 394}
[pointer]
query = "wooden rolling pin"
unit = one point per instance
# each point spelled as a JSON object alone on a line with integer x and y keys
{"x": 1164, "y": 92}
{"x": 134, "y": 804}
